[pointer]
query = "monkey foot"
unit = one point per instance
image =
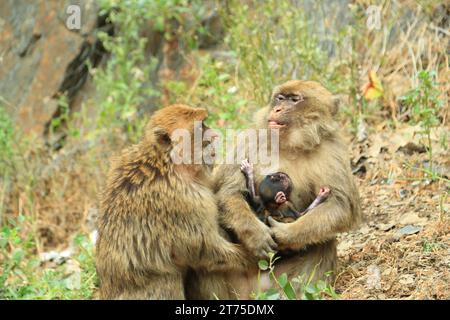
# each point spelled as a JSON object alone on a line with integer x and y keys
{"x": 324, "y": 192}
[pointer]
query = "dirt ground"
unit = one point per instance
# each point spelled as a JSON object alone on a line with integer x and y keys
{"x": 402, "y": 250}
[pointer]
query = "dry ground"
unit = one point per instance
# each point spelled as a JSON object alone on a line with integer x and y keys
{"x": 402, "y": 250}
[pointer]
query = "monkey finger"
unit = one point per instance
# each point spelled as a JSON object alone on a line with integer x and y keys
{"x": 271, "y": 245}
{"x": 266, "y": 253}
{"x": 272, "y": 222}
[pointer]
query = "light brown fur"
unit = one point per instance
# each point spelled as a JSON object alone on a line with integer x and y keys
{"x": 313, "y": 154}
{"x": 159, "y": 220}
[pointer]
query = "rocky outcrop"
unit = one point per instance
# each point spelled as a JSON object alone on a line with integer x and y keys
{"x": 39, "y": 57}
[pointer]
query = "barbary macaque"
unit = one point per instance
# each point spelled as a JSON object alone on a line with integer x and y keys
{"x": 313, "y": 154}
{"x": 159, "y": 220}
{"x": 274, "y": 194}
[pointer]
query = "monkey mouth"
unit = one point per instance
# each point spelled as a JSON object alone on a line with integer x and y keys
{"x": 275, "y": 124}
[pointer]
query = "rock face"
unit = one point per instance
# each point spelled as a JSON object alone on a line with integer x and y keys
{"x": 41, "y": 58}
{"x": 36, "y": 49}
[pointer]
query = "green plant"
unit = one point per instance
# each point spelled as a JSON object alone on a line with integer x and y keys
{"x": 58, "y": 121}
{"x": 7, "y": 150}
{"x": 274, "y": 43}
{"x": 308, "y": 288}
{"x": 281, "y": 283}
{"x": 23, "y": 277}
{"x": 126, "y": 83}
{"x": 316, "y": 290}
{"x": 425, "y": 105}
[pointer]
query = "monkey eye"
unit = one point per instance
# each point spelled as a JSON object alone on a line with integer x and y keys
{"x": 279, "y": 97}
{"x": 296, "y": 98}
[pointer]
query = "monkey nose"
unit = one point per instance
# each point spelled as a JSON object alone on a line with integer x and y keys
{"x": 278, "y": 109}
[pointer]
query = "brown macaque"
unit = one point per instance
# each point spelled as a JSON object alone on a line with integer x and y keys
{"x": 158, "y": 219}
{"x": 274, "y": 196}
{"x": 313, "y": 154}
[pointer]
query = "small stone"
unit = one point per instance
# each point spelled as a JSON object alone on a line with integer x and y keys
{"x": 373, "y": 277}
{"x": 364, "y": 229}
{"x": 409, "y": 229}
{"x": 406, "y": 280}
{"x": 385, "y": 227}
{"x": 412, "y": 218}
{"x": 387, "y": 272}
{"x": 402, "y": 193}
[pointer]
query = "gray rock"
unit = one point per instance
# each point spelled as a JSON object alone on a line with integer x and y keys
{"x": 409, "y": 229}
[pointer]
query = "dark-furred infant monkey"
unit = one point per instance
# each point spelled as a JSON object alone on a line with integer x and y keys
{"x": 273, "y": 197}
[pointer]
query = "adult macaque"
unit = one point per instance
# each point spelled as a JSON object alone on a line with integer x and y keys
{"x": 313, "y": 154}
{"x": 274, "y": 193}
{"x": 158, "y": 219}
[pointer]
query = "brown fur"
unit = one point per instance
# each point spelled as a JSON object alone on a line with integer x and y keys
{"x": 159, "y": 220}
{"x": 313, "y": 154}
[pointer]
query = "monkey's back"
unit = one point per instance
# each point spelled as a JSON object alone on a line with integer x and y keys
{"x": 146, "y": 216}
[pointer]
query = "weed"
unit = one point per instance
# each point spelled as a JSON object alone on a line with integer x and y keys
{"x": 282, "y": 287}
{"x": 425, "y": 106}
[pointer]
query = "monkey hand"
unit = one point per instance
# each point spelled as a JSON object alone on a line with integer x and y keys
{"x": 280, "y": 197}
{"x": 282, "y": 234}
{"x": 258, "y": 240}
{"x": 324, "y": 192}
{"x": 246, "y": 167}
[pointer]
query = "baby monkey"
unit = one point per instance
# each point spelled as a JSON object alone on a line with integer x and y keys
{"x": 274, "y": 195}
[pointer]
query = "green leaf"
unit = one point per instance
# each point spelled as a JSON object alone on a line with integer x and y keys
{"x": 18, "y": 255}
{"x": 159, "y": 23}
{"x": 223, "y": 77}
{"x": 272, "y": 294}
{"x": 3, "y": 242}
{"x": 309, "y": 296}
{"x": 321, "y": 285}
{"x": 310, "y": 289}
{"x": 283, "y": 279}
{"x": 263, "y": 265}
{"x": 290, "y": 292}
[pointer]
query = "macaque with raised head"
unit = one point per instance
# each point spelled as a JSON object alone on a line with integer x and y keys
{"x": 313, "y": 154}
{"x": 158, "y": 219}
{"x": 274, "y": 196}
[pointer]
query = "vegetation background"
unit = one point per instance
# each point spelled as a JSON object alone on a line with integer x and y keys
{"x": 391, "y": 78}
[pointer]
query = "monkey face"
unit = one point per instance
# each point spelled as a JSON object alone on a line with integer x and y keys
{"x": 296, "y": 103}
{"x": 274, "y": 183}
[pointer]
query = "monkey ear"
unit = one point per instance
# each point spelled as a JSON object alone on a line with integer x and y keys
{"x": 335, "y": 105}
{"x": 162, "y": 136}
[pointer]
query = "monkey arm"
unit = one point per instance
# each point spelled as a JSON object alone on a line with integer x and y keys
{"x": 237, "y": 216}
{"x": 217, "y": 254}
{"x": 323, "y": 223}
{"x": 247, "y": 170}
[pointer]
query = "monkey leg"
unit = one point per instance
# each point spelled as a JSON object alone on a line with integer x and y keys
{"x": 311, "y": 264}
{"x": 323, "y": 194}
{"x": 154, "y": 287}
